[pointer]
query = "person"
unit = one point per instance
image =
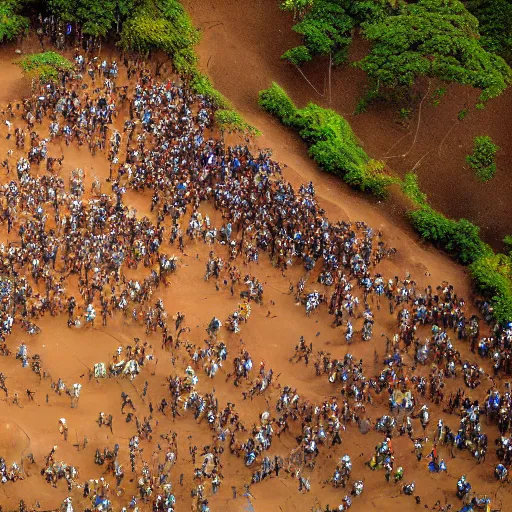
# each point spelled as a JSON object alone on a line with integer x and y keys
{"x": 63, "y": 428}
{"x": 501, "y": 472}
{"x": 463, "y": 487}
{"x": 408, "y": 489}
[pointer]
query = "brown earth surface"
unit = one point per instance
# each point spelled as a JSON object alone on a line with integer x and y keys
{"x": 239, "y": 66}
{"x": 242, "y": 41}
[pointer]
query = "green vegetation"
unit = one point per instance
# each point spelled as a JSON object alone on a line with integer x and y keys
{"x": 462, "y": 114}
{"x": 459, "y": 238}
{"x": 325, "y": 28}
{"x": 508, "y": 244}
{"x": 96, "y": 17}
{"x": 411, "y": 189}
{"x": 495, "y": 25}
{"x": 12, "y": 24}
{"x": 483, "y": 159}
{"x": 201, "y": 84}
{"x": 332, "y": 143}
{"x": 231, "y": 121}
{"x": 437, "y": 39}
{"x": 47, "y": 66}
{"x": 162, "y": 25}
{"x": 492, "y": 277}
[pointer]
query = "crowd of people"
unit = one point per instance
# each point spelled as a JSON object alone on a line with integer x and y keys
{"x": 165, "y": 146}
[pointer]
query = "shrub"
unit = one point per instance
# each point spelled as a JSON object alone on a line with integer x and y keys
{"x": 276, "y": 102}
{"x": 412, "y": 190}
{"x": 492, "y": 277}
{"x": 433, "y": 38}
{"x": 482, "y": 161}
{"x": 46, "y": 66}
{"x": 495, "y": 24}
{"x": 298, "y": 55}
{"x": 229, "y": 120}
{"x": 11, "y": 23}
{"x": 459, "y": 238}
{"x": 508, "y": 243}
{"x": 326, "y": 28}
{"x": 332, "y": 143}
{"x": 201, "y": 84}
{"x": 462, "y": 114}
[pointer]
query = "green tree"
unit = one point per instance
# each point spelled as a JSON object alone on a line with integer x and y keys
{"x": 326, "y": 30}
{"x": 12, "y": 23}
{"x": 97, "y": 17}
{"x": 433, "y": 38}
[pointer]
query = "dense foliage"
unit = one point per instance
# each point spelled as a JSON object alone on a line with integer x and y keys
{"x": 433, "y": 38}
{"x": 162, "y": 25}
{"x": 411, "y": 189}
{"x": 325, "y": 29}
{"x": 495, "y": 25}
{"x": 459, "y": 238}
{"x": 47, "y": 66}
{"x": 12, "y": 23}
{"x": 483, "y": 158}
{"x": 492, "y": 276}
{"x": 332, "y": 143}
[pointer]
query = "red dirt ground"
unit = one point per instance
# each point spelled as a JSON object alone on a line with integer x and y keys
{"x": 241, "y": 48}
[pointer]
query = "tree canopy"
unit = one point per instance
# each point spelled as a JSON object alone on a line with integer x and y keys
{"x": 12, "y": 23}
{"x": 434, "y": 38}
{"x": 495, "y": 25}
{"x": 325, "y": 29}
{"x": 162, "y": 25}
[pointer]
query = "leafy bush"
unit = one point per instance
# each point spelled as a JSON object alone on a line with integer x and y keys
{"x": 229, "y": 120}
{"x": 162, "y": 25}
{"x": 46, "y": 66}
{"x": 12, "y": 24}
{"x": 433, "y": 38}
{"x": 508, "y": 243}
{"x": 482, "y": 161}
{"x": 462, "y": 114}
{"x": 298, "y": 55}
{"x": 275, "y": 101}
{"x": 459, "y": 238}
{"x": 326, "y": 28}
{"x": 492, "y": 276}
{"x": 332, "y": 143}
{"x": 201, "y": 85}
{"x": 412, "y": 190}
